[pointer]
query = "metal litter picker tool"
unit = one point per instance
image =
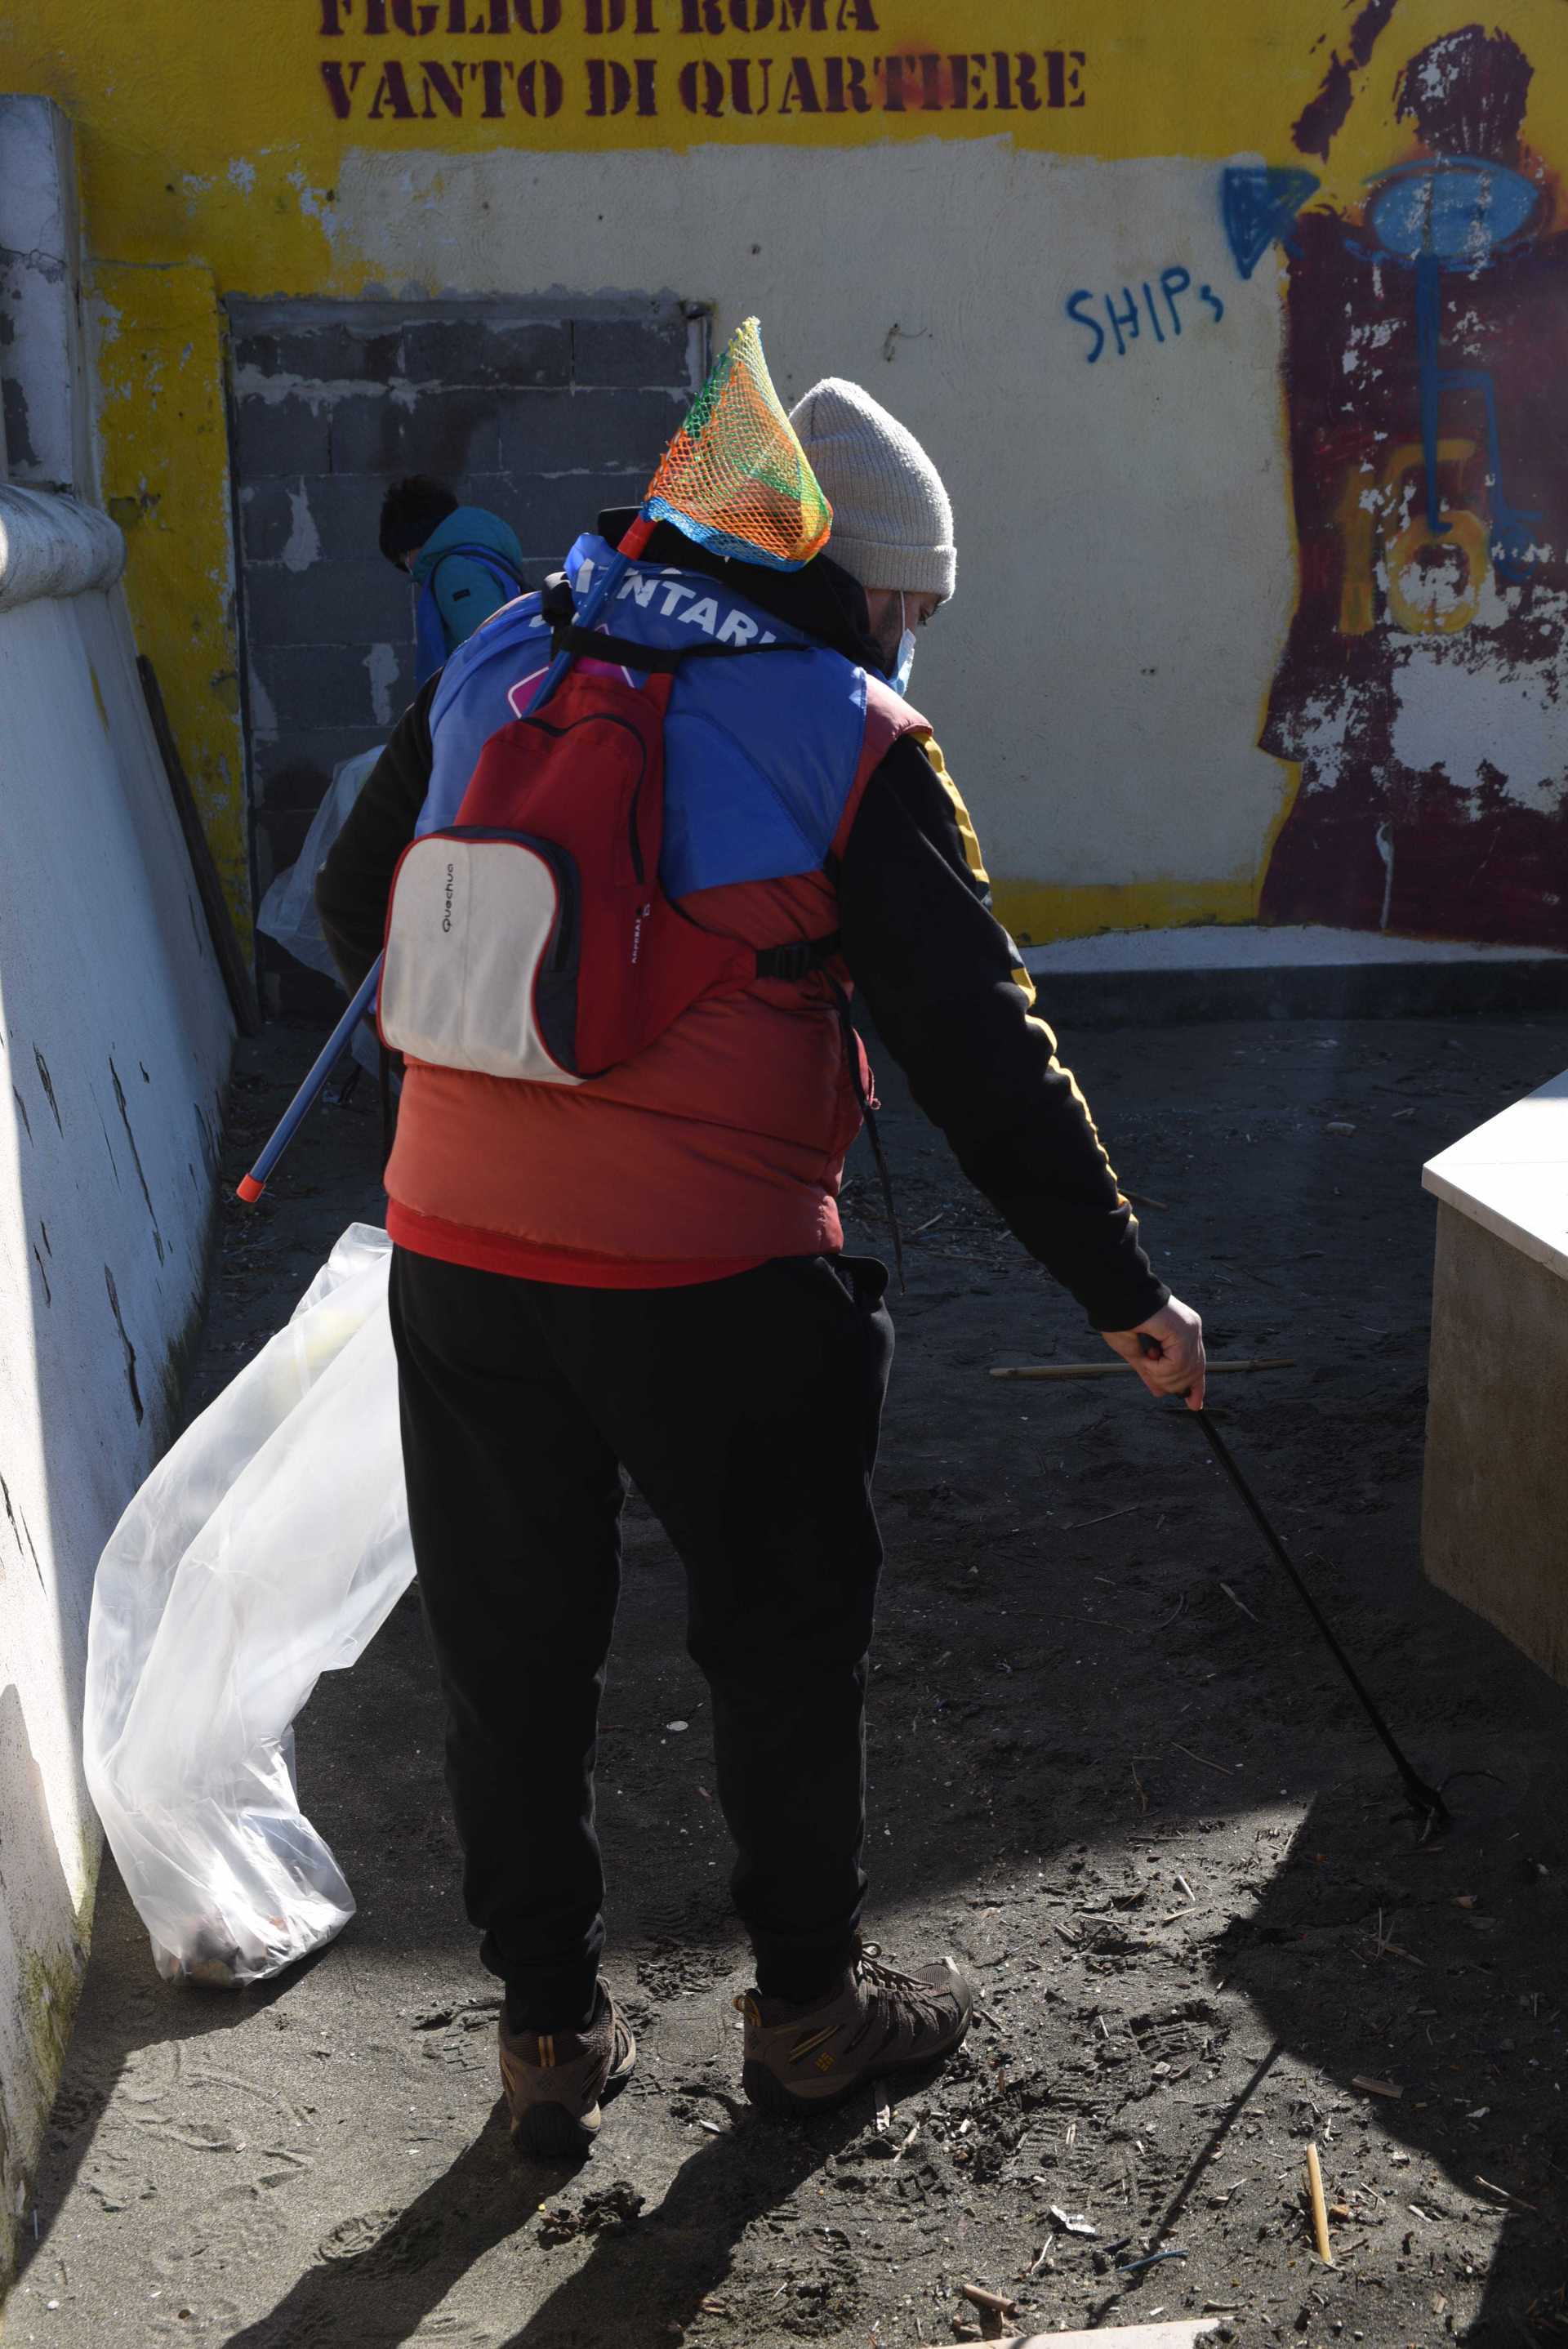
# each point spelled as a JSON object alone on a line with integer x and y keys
{"x": 734, "y": 479}
{"x": 1426, "y": 1800}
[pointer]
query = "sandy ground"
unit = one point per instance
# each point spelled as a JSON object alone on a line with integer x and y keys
{"x": 1111, "y": 1767}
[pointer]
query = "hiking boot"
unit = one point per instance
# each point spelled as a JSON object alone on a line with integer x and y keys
{"x": 554, "y": 2080}
{"x": 875, "y": 2021}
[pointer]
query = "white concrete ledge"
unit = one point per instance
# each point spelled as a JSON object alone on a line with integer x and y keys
{"x": 1251, "y": 946}
{"x": 54, "y": 547}
{"x": 1510, "y": 1175}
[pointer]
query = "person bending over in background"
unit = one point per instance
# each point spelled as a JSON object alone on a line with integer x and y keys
{"x": 465, "y": 562}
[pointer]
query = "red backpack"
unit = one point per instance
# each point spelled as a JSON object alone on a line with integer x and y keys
{"x": 532, "y": 938}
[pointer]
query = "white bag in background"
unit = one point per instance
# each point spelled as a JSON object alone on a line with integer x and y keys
{"x": 267, "y": 1547}
{"x": 287, "y": 913}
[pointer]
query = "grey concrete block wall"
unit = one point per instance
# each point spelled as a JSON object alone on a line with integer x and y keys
{"x": 361, "y": 601}
{"x": 443, "y": 430}
{"x": 545, "y": 412}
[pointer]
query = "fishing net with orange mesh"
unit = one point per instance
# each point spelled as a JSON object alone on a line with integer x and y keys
{"x": 735, "y": 478}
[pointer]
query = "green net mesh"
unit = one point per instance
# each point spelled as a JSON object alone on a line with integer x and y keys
{"x": 735, "y": 478}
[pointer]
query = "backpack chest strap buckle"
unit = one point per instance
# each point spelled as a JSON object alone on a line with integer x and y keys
{"x": 800, "y": 960}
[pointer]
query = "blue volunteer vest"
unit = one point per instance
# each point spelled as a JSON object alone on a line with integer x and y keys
{"x": 760, "y": 757}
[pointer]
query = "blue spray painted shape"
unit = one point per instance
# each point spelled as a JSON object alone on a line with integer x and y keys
{"x": 1259, "y": 204}
{"x": 1451, "y": 207}
{"x": 1452, "y": 212}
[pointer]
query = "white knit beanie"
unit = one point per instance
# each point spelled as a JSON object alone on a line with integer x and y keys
{"x": 893, "y": 520}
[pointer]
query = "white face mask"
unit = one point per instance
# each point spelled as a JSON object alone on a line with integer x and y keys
{"x": 898, "y": 678}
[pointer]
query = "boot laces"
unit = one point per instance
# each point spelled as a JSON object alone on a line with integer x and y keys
{"x": 915, "y": 1999}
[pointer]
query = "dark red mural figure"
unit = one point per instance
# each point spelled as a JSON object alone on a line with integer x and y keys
{"x": 1421, "y": 687}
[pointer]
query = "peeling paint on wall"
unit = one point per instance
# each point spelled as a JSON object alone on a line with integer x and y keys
{"x": 48, "y": 1084}
{"x": 382, "y": 663}
{"x": 135, "y": 1159}
{"x": 1421, "y": 689}
{"x": 303, "y": 546}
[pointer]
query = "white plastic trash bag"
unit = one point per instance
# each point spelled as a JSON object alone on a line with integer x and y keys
{"x": 266, "y": 1547}
{"x": 287, "y": 913}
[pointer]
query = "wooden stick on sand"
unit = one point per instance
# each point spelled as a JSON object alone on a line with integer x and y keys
{"x": 1319, "y": 2206}
{"x": 1113, "y": 1369}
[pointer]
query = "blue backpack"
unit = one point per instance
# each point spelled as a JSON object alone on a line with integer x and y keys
{"x": 431, "y": 648}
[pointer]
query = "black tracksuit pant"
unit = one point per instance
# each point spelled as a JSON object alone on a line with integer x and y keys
{"x": 747, "y": 1411}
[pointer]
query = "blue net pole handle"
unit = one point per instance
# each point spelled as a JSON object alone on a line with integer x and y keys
{"x": 252, "y": 1185}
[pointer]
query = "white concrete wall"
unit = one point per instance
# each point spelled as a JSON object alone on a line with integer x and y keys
{"x": 115, "y": 1037}
{"x": 1126, "y": 569}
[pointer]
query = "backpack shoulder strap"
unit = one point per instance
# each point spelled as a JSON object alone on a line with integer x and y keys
{"x": 502, "y": 567}
{"x": 799, "y": 961}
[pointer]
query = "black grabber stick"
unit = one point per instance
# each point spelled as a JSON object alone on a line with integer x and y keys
{"x": 1424, "y": 1799}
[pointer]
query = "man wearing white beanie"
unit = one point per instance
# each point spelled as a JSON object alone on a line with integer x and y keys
{"x": 892, "y": 519}
{"x": 647, "y": 1273}
{"x": 892, "y": 533}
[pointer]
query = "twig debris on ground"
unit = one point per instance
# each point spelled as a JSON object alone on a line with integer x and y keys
{"x": 1223, "y": 1768}
{"x": 1518, "y": 2201}
{"x": 1130, "y": 1510}
{"x": 994, "y": 2308}
{"x": 1319, "y": 2206}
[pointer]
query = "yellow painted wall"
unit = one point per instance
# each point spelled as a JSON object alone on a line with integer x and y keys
{"x": 216, "y": 143}
{"x": 210, "y": 133}
{"x": 165, "y": 462}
